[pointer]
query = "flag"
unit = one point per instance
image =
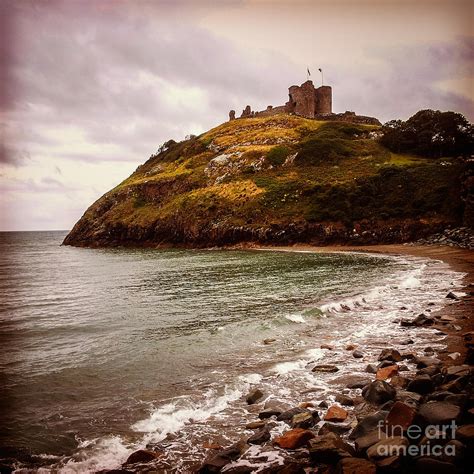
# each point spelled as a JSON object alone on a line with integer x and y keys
{"x": 307, "y": 69}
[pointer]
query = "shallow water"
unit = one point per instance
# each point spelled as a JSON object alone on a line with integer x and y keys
{"x": 108, "y": 350}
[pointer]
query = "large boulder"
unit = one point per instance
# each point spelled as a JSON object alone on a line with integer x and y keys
{"x": 260, "y": 437}
{"x": 365, "y": 442}
{"x": 400, "y": 415}
{"x": 335, "y": 413}
{"x": 439, "y": 413}
{"x": 329, "y": 449}
{"x": 387, "y": 448}
{"x": 288, "y": 415}
{"x": 387, "y": 372}
{"x": 466, "y": 433}
{"x": 294, "y": 439}
{"x": 254, "y": 396}
{"x": 304, "y": 420}
{"x": 378, "y": 392}
{"x": 422, "y": 362}
{"x": 216, "y": 462}
{"x": 368, "y": 424}
{"x": 390, "y": 354}
{"x": 142, "y": 456}
{"x": 421, "y": 384}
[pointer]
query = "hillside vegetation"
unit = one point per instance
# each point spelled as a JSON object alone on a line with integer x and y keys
{"x": 277, "y": 179}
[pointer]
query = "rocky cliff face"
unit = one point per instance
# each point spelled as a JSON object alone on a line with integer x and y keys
{"x": 277, "y": 179}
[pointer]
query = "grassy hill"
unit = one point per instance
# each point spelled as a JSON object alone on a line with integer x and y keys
{"x": 276, "y": 179}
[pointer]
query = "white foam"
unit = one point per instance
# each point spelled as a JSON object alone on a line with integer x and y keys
{"x": 296, "y": 318}
{"x": 104, "y": 453}
{"x": 410, "y": 282}
{"x": 170, "y": 418}
{"x": 286, "y": 367}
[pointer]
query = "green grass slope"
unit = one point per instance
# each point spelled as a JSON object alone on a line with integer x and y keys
{"x": 276, "y": 179}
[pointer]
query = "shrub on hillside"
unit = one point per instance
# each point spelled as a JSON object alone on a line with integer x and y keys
{"x": 277, "y": 155}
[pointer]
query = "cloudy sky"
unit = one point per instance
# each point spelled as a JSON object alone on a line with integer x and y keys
{"x": 90, "y": 88}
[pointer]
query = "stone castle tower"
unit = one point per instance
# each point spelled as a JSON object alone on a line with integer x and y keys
{"x": 307, "y": 101}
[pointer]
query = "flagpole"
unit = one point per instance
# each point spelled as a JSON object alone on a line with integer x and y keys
{"x": 322, "y": 77}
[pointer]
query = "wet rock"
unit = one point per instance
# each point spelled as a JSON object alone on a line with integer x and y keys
{"x": 422, "y": 384}
{"x": 303, "y": 420}
{"x": 351, "y": 381}
{"x": 459, "y": 399}
{"x": 456, "y": 371}
{"x": 387, "y": 372}
{"x": 276, "y": 405}
{"x": 142, "y": 456}
{"x": 371, "y": 369}
{"x": 268, "y": 413}
{"x": 423, "y": 320}
{"x": 431, "y": 371}
{"x": 457, "y": 385}
{"x": 466, "y": 433}
{"x": 350, "y": 347}
{"x": 378, "y": 392}
{"x": 372, "y": 437}
{"x": 399, "y": 382}
{"x": 216, "y": 462}
{"x": 325, "y": 368}
{"x": 422, "y": 362}
{"x": 452, "y": 296}
{"x": 387, "y": 448}
{"x": 288, "y": 415}
{"x": 329, "y": 448}
{"x": 255, "y": 425}
{"x": 410, "y": 398}
{"x": 323, "y": 404}
{"x": 344, "y": 400}
{"x": 338, "y": 428}
{"x": 357, "y": 354}
{"x": 254, "y": 396}
{"x": 438, "y": 395}
{"x": 336, "y": 413}
{"x": 294, "y": 439}
{"x": 391, "y": 355}
{"x": 406, "y": 342}
{"x": 367, "y": 424}
{"x": 401, "y": 415}
{"x": 438, "y": 413}
{"x": 355, "y": 466}
{"x": 260, "y": 437}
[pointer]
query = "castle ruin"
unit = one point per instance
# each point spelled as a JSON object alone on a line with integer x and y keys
{"x": 310, "y": 102}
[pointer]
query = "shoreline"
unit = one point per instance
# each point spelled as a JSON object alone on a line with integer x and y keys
{"x": 459, "y": 259}
{"x": 438, "y": 378}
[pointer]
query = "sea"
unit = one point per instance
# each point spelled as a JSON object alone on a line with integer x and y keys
{"x": 106, "y": 351}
